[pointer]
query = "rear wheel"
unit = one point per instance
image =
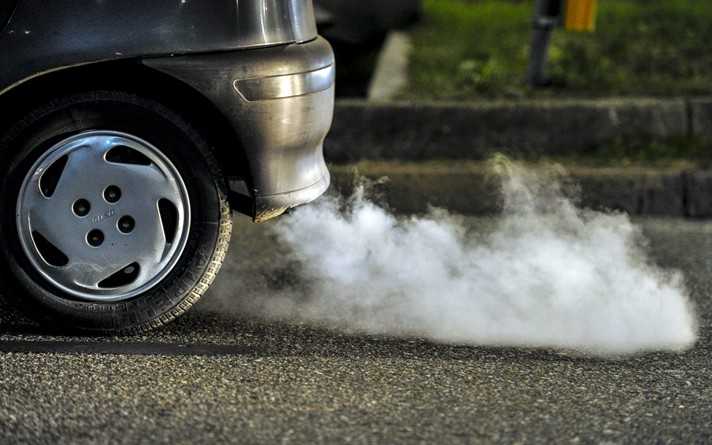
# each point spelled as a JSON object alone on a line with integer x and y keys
{"x": 114, "y": 213}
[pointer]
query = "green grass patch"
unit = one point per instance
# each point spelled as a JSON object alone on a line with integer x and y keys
{"x": 474, "y": 49}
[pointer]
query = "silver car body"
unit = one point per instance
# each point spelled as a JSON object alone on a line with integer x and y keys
{"x": 260, "y": 63}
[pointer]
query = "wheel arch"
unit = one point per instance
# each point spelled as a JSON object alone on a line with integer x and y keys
{"x": 132, "y": 76}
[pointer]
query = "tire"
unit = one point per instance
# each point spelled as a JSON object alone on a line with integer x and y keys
{"x": 193, "y": 217}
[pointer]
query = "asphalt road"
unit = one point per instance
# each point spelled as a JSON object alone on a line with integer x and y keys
{"x": 218, "y": 376}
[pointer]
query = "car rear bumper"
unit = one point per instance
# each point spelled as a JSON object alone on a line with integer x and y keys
{"x": 280, "y": 102}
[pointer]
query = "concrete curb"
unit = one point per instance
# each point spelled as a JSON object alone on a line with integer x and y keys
{"x": 421, "y": 131}
{"x": 391, "y": 74}
{"x": 473, "y": 190}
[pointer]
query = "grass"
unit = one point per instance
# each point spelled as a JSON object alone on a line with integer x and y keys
{"x": 474, "y": 49}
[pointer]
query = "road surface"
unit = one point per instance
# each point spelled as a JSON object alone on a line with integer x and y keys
{"x": 219, "y": 376}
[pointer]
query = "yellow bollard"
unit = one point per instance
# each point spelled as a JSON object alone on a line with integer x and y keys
{"x": 581, "y": 15}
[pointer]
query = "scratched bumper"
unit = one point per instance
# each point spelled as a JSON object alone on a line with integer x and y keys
{"x": 280, "y": 102}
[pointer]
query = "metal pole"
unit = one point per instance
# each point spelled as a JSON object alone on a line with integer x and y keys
{"x": 547, "y": 14}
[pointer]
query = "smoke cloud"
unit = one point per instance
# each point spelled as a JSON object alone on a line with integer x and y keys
{"x": 544, "y": 274}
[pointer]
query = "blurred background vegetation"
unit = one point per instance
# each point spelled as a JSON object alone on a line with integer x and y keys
{"x": 477, "y": 49}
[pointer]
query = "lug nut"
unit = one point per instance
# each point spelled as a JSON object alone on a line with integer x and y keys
{"x": 95, "y": 238}
{"x": 126, "y": 224}
{"x": 112, "y": 194}
{"x": 81, "y": 208}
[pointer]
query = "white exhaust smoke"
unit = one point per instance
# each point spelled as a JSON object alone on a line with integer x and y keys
{"x": 546, "y": 274}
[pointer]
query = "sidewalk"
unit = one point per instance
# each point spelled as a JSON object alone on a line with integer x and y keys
{"x": 433, "y": 153}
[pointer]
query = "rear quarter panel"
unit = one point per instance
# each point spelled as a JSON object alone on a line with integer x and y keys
{"x": 48, "y": 35}
{"x": 6, "y": 8}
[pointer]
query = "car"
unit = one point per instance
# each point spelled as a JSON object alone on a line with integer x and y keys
{"x": 129, "y": 133}
{"x": 357, "y": 30}
{"x": 365, "y": 21}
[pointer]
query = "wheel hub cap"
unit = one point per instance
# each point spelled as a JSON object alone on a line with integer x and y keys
{"x": 104, "y": 216}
